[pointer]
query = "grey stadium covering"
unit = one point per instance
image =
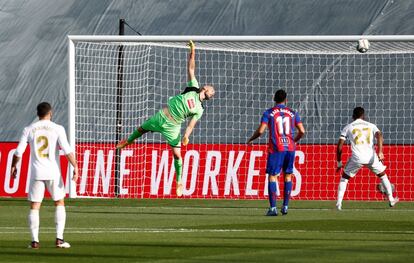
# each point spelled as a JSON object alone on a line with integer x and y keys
{"x": 34, "y": 33}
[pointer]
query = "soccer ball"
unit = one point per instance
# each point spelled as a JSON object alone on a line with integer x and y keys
{"x": 382, "y": 190}
{"x": 363, "y": 45}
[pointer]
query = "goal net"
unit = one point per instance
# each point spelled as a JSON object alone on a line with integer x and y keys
{"x": 118, "y": 83}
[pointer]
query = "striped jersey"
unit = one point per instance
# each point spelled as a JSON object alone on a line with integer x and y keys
{"x": 281, "y": 122}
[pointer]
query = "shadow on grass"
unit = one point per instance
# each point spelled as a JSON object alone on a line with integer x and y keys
{"x": 329, "y": 239}
{"x": 182, "y": 213}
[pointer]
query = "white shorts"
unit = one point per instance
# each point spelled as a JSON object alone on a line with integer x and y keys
{"x": 352, "y": 167}
{"x": 56, "y": 189}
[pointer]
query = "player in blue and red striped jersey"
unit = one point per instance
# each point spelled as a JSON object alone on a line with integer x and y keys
{"x": 281, "y": 122}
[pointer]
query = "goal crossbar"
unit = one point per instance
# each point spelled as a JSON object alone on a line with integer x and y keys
{"x": 159, "y": 38}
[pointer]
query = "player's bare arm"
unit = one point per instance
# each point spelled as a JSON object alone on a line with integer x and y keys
{"x": 301, "y": 132}
{"x": 71, "y": 158}
{"x": 339, "y": 153}
{"x": 257, "y": 133}
{"x": 188, "y": 131}
{"x": 380, "y": 142}
{"x": 191, "y": 61}
{"x": 13, "y": 170}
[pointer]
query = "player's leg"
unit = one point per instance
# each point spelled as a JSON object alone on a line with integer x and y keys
{"x": 288, "y": 162}
{"x": 350, "y": 170}
{"x": 56, "y": 189}
{"x": 178, "y": 165}
{"x": 171, "y": 132}
{"x": 152, "y": 124}
{"x": 272, "y": 192}
{"x": 131, "y": 138}
{"x": 379, "y": 168}
{"x": 273, "y": 168}
{"x": 35, "y": 196}
{"x": 388, "y": 189}
{"x": 343, "y": 182}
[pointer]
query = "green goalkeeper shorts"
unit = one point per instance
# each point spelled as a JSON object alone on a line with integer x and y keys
{"x": 168, "y": 129}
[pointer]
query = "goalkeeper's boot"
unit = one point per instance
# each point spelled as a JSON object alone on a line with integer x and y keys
{"x": 179, "y": 189}
{"x": 60, "y": 243}
{"x": 393, "y": 203}
{"x": 284, "y": 210}
{"x": 122, "y": 144}
{"x": 272, "y": 211}
{"x": 34, "y": 245}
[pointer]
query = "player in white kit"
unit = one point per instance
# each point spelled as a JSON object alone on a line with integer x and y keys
{"x": 43, "y": 137}
{"x": 361, "y": 134}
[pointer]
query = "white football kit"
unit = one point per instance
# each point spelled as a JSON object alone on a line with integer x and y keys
{"x": 361, "y": 134}
{"x": 43, "y": 137}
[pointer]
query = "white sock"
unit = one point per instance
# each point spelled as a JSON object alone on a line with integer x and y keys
{"x": 34, "y": 223}
{"x": 341, "y": 190}
{"x": 387, "y": 185}
{"x": 60, "y": 220}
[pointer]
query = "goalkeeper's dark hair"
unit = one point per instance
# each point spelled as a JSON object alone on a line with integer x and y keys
{"x": 189, "y": 89}
{"x": 43, "y": 109}
{"x": 358, "y": 113}
{"x": 280, "y": 96}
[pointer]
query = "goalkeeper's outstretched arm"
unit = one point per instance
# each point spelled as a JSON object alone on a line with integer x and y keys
{"x": 188, "y": 131}
{"x": 191, "y": 61}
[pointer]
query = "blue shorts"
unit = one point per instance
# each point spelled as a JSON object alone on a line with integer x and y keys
{"x": 278, "y": 160}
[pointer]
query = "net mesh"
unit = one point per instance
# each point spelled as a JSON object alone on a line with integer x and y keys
{"x": 324, "y": 82}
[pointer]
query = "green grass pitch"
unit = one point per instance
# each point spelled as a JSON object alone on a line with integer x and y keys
{"x": 103, "y": 230}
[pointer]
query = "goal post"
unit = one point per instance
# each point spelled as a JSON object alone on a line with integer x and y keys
{"x": 325, "y": 78}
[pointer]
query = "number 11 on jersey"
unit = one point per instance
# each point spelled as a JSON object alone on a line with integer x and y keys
{"x": 283, "y": 125}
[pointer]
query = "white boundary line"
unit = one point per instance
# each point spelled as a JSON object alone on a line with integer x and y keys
{"x": 384, "y": 209}
{"x": 102, "y": 230}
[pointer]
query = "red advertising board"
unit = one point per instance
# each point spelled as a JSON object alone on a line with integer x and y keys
{"x": 234, "y": 171}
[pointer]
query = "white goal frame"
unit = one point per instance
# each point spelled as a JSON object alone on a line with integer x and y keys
{"x": 72, "y": 39}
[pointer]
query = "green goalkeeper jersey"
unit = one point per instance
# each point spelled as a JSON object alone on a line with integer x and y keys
{"x": 186, "y": 105}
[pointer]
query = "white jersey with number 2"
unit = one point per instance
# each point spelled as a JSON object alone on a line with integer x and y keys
{"x": 43, "y": 137}
{"x": 361, "y": 134}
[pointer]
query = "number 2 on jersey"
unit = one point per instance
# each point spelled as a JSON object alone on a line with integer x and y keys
{"x": 283, "y": 125}
{"x": 43, "y": 142}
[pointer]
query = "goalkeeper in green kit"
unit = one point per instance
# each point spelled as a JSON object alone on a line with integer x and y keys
{"x": 168, "y": 120}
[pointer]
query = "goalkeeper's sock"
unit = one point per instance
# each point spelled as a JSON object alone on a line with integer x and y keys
{"x": 136, "y": 134}
{"x": 60, "y": 220}
{"x": 272, "y": 194}
{"x": 341, "y": 190}
{"x": 388, "y": 188}
{"x": 178, "y": 165}
{"x": 287, "y": 190}
{"x": 34, "y": 224}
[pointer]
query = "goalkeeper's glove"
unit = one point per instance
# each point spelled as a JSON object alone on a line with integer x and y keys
{"x": 185, "y": 141}
{"x": 191, "y": 44}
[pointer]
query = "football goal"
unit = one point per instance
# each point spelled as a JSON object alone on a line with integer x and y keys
{"x": 117, "y": 82}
